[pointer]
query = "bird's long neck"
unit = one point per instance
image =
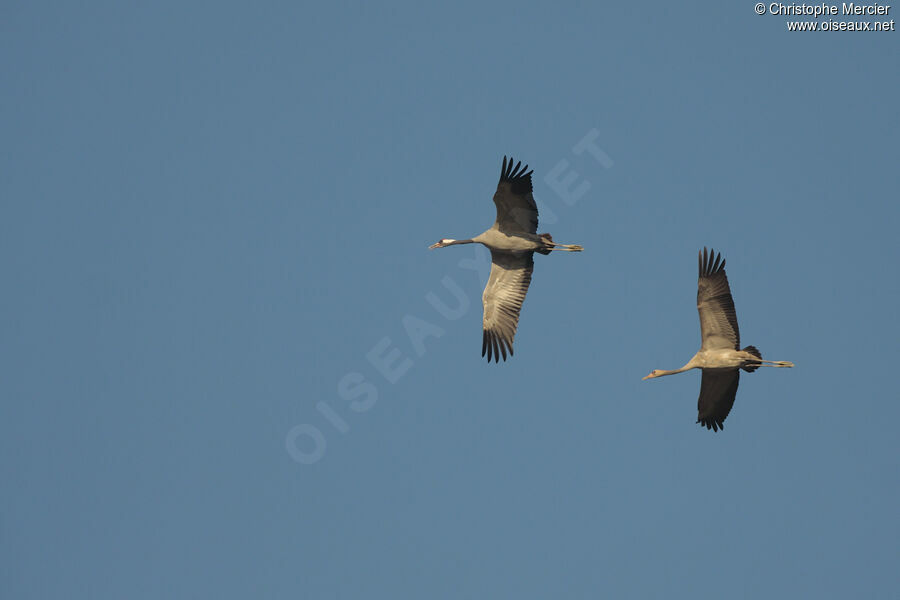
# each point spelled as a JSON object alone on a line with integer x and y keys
{"x": 687, "y": 367}
{"x": 454, "y": 242}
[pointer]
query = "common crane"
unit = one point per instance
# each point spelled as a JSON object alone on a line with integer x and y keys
{"x": 720, "y": 356}
{"x": 512, "y": 240}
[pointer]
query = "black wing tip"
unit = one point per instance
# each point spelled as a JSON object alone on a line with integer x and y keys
{"x": 518, "y": 176}
{"x": 711, "y": 262}
{"x": 495, "y": 346}
{"x": 714, "y": 424}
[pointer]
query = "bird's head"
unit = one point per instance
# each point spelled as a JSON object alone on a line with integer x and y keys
{"x": 441, "y": 243}
{"x": 653, "y": 373}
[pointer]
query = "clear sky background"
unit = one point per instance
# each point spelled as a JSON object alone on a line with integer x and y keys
{"x": 213, "y": 212}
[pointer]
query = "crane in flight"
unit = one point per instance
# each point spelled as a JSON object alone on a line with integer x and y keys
{"x": 720, "y": 357}
{"x": 512, "y": 240}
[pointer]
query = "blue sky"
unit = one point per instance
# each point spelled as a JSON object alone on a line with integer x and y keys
{"x": 214, "y": 212}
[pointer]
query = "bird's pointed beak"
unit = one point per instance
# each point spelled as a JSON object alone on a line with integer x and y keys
{"x": 433, "y": 246}
{"x": 650, "y": 376}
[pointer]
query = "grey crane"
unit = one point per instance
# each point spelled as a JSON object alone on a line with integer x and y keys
{"x": 720, "y": 356}
{"x": 512, "y": 240}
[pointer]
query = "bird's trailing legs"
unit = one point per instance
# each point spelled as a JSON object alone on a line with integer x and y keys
{"x": 774, "y": 363}
{"x": 566, "y": 247}
{"x": 549, "y": 245}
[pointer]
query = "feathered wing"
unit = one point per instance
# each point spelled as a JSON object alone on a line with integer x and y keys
{"x": 718, "y": 388}
{"x": 718, "y": 320}
{"x": 516, "y": 210}
{"x": 503, "y": 296}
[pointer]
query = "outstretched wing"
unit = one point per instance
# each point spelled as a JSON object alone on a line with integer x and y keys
{"x": 503, "y": 296}
{"x": 718, "y": 321}
{"x": 718, "y": 388}
{"x": 516, "y": 210}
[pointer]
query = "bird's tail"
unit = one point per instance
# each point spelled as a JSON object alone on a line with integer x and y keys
{"x": 546, "y": 249}
{"x": 755, "y": 352}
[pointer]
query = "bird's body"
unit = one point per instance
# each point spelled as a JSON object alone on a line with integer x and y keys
{"x": 512, "y": 240}
{"x": 724, "y": 358}
{"x": 720, "y": 357}
{"x": 495, "y": 239}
